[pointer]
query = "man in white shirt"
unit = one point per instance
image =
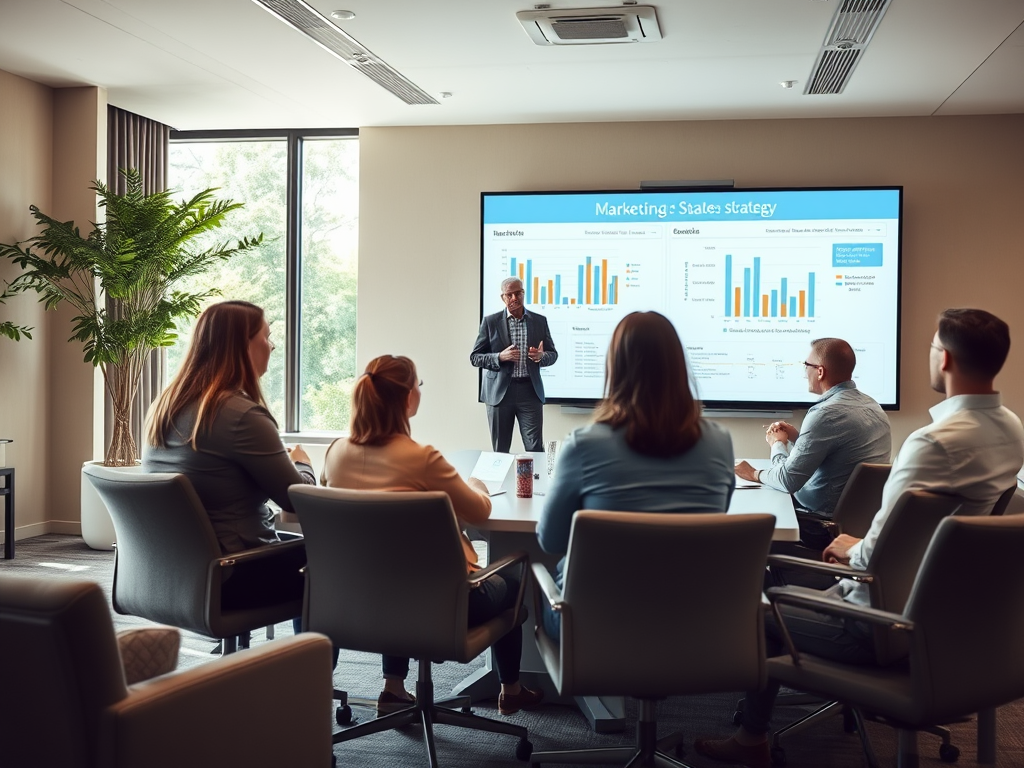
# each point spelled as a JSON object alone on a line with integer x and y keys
{"x": 973, "y": 448}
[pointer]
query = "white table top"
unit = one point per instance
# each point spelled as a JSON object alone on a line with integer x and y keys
{"x": 509, "y": 513}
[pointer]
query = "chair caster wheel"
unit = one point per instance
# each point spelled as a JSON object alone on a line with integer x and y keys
{"x": 523, "y": 751}
{"x": 948, "y": 753}
{"x": 737, "y": 717}
{"x": 343, "y": 715}
{"x": 778, "y": 757}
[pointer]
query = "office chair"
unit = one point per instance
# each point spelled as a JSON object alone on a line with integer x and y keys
{"x": 890, "y": 576}
{"x": 386, "y": 573}
{"x": 68, "y": 701}
{"x": 169, "y": 567}
{"x": 964, "y": 639}
{"x": 860, "y": 500}
{"x": 655, "y": 605}
{"x": 1003, "y": 501}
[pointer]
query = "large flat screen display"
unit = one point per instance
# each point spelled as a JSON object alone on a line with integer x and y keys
{"x": 747, "y": 276}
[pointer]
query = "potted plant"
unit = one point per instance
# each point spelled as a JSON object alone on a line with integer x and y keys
{"x": 136, "y": 257}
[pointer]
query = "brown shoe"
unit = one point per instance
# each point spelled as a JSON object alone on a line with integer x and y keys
{"x": 525, "y": 699}
{"x": 730, "y": 751}
{"x": 388, "y": 702}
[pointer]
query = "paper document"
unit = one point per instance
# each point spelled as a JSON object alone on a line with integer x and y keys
{"x": 492, "y": 469}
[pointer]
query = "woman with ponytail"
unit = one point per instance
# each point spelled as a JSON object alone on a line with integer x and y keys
{"x": 380, "y": 455}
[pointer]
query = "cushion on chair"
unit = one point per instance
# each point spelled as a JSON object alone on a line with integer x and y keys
{"x": 148, "y": 652}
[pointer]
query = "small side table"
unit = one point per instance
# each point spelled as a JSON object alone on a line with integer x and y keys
{"x": 8, "y": 495}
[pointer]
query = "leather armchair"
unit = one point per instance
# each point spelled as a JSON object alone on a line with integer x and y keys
{"x": 66, "y": 701}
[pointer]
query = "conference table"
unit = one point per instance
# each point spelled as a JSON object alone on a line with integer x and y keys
{"x": 512, "y": 527}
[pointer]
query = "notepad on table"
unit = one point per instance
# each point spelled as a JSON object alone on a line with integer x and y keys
{"x": 492, "y": 469}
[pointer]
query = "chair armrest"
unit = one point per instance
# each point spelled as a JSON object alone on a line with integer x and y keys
{"x": 289, "y": 536}
{"x": 838, "y": 570}
{"x": 519, "y": 558}
{"x": 516, "y": 557}
{"x": 281, "y": 691}
{"x": 824, "y": 522}
{"x": 261, "y": 553}
{"x": 815, "y": 601}
{"x": 547, "y": 587}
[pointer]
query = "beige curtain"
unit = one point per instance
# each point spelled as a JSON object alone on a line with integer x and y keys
{"x": 137, "y": 142}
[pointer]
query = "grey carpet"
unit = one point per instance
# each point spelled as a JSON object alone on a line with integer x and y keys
{"x": 551, "y": 727}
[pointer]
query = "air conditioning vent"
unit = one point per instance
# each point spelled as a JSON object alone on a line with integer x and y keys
{"x": 591, "y": 26}
{"x": 305, "y": 19}
{"x": 852, "y": 28}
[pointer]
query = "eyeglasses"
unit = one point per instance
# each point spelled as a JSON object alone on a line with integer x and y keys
{"x": 514, "y": 294}
{"x": 812, "y": 365}
{"x": 421, "y": 383}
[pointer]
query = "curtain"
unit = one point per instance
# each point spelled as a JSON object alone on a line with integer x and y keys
{"x": 137, "y": 142}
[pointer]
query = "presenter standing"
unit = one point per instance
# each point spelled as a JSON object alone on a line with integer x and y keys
{"x": 511, "y": 347}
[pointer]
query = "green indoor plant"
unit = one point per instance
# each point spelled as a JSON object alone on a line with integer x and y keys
{"x": 130, "y": 262}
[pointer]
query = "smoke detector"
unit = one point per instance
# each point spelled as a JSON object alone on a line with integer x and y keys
{"x": 591, "y": 26}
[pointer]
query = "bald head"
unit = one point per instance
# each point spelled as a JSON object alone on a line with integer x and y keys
{"x": 837, "y": 358}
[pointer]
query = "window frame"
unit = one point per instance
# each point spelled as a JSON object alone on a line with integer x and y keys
{"x": 294, "y": 139}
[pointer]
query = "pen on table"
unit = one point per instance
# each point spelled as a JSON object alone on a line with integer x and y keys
{"x": 497, "y": 493}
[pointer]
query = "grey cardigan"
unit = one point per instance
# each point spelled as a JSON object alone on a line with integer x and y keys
{"x": 236, "y": 467}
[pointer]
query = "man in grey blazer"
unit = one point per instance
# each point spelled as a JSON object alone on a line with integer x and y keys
{"x": 511, "y": 348}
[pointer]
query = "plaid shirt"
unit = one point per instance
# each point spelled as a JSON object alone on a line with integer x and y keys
{"x": 517, "y": 334}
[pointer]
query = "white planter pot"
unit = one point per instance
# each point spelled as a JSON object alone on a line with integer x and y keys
{"x": 97, "y": 527}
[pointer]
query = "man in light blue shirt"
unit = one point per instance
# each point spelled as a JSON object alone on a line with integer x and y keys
{"x": 973, "y": 448}
{"x": 842, "y": 429}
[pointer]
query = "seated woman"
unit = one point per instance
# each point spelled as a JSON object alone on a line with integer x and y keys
{"x": 648, "y": 449}
{"x": 212, "y": 425}
{"x": 380, "y": 455}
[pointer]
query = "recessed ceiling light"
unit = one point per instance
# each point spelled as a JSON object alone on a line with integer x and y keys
{"x": 343, "y": 15}
{"x": 787, "y": 84}
{"x": 446, "y": 94}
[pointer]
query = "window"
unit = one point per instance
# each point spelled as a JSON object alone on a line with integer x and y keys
{"x": 301, "y": 190}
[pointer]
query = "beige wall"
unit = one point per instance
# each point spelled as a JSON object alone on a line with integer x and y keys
{"x": 419, "y": 275}
{"x": 79, "y": 157}
{"x": 48, "y": 155}
{"x": 26, "y": 140}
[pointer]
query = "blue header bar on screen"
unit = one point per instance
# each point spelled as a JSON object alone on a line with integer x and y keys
{"x": 725, "y": 205}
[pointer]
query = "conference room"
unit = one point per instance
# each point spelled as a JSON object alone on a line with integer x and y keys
{"x": 934, "y": 106}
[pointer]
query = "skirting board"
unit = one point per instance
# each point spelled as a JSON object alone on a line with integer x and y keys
{"x": 31, "y": 530}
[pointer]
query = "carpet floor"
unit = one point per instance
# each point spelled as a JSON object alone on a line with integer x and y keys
{"x": 551, "y": 727}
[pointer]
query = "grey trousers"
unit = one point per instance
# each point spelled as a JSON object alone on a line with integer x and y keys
{"x": 520, "y": 402}
{"x": 815, "y": 633}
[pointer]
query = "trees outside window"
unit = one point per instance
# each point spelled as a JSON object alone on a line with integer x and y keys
{"x": 301, "y": 191}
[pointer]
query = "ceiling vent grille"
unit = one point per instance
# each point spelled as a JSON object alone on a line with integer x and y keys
{"x": 852, "y": 28}
{"x": 591, "y": 26}
{"x": 310, "y": 22}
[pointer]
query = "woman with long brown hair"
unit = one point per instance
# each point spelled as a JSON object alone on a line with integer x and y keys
{"x": 380, "y": 455}
{"x": 212, "y": 425}
{"x": 648, "y": 449}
